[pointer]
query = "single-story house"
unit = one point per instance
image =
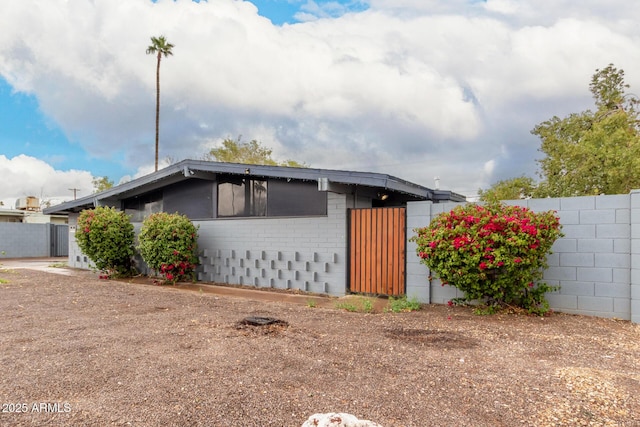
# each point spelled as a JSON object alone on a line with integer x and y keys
{"x": 270, "y": 226}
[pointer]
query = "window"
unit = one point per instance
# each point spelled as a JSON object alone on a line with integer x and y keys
{"x": 242, "y": 197}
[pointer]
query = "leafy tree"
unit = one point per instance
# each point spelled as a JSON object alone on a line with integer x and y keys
{"x": 252, "y": 153}
{"x": 521, "y": 187}
{"x": 160, "y": 47}
{"x": 101, "y": 184}
{"x": 593, "y": 152}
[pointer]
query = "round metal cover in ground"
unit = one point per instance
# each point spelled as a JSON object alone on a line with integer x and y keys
{"x": 261, "y": 321}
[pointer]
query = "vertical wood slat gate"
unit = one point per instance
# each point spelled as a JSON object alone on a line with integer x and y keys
{"x": 377, "y": 241}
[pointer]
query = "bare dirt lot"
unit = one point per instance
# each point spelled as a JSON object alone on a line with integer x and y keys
{"x": 76, "y": 350}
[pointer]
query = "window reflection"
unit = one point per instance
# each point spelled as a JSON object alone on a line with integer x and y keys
{"x": 246, "y": 197}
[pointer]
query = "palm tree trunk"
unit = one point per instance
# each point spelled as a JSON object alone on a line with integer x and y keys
{"x": 157, "y": 108}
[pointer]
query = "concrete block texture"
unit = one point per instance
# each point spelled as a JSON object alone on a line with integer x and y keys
{"x": 560, "y": 273}
{"x": 541, "y": 205}
{"x": 566, "y": 303}
{"x": 604, "y": 260}
{"x": 565, "y": 245}
{"x": 569, "y": 217}
{"x": 595, "y": 274}
{"x": 577, "y": 203}
{"x": 613, "y": 231}
{"x": 581, "y": 231}
{"x": 595, "y": 245}
{"x": 578, "y": 288}
{"x": 603, "y": 216}
{"x": 616, "y": 201}
{"x": 635, "y": 311}
{"x": 579, "y": 259}
{"x": 595, "y": 304}
{"x": 613, "y": 290}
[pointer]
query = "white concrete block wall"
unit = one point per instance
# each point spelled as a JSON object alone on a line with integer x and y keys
{"x": 596, "y": 263}
{"x": 309, "y": 253}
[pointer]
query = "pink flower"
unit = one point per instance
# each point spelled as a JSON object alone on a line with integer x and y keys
{"x": 450, "y": 303}
{"x": 169, "y": 276}
{"x": 517, "y": 260}
{"x": 483, "y": 265}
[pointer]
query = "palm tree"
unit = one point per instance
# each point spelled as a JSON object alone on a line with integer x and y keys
{"x": 159, "y": 46}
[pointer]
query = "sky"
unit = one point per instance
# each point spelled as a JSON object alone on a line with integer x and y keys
{"x": 417, "y": 89}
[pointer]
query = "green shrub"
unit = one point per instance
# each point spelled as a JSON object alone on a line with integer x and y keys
{"x": 492, "y": 253}
{"x": 105, "y": 235}
{"x": 168, "y": 244}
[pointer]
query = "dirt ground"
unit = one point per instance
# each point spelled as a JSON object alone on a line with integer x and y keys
{"x": 76, "y": 350}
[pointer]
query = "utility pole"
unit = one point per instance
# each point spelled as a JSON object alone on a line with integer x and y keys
{"x": 75, "y": 192}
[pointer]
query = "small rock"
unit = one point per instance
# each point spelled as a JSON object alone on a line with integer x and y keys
{"x": 333, "y": 419}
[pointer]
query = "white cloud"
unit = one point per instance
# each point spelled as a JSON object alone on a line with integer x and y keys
{"x": 415, "y": 88}
{"x": 24, "y": 176}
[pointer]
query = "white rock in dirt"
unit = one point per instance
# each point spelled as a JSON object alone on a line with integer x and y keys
{"x": 333, "y": 419}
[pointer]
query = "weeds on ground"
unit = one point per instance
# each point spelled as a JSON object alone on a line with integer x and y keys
{"x": 311, "y": 303}
{"x": 397, "y": 305}
{"x": 360, "y": 305}
{"x": 58, "y": 265}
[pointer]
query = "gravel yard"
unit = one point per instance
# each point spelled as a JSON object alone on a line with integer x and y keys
{"x": 79, "y": 351}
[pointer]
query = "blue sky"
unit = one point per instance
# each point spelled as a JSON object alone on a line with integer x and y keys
{"x": 27, "y": 130}
{"x": 278, "y": 11}
{"x": 413, "y": 88}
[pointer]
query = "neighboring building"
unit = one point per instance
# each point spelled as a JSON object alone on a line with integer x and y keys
{"x": 28, "y": 211}
{"x": 26, "y": 232}
{"x": 267, "y": 226}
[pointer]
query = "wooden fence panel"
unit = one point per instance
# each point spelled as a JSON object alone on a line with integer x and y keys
{"x": 377, "y": 239}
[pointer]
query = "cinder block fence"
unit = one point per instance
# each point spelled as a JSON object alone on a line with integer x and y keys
{"x": 596, "y": 264}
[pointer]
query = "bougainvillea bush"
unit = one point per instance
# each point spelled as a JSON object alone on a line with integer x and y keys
{"x": 105, "y": 235}
{"x": 495, "y": 253}
{"x": 168, "y": 244}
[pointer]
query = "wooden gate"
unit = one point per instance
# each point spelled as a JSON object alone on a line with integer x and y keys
{"x": 377, "y": 240}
